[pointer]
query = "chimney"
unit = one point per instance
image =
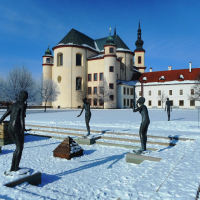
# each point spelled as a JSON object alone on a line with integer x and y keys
{"x": 170, "y": 68}
{"x": 151, "y": 69}
{"x": 190, "y": 66}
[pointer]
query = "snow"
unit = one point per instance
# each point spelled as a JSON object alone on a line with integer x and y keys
{"x": 168, "y": 82}
{"x": 130, "y": 83}
{"x": 102, "y": 171}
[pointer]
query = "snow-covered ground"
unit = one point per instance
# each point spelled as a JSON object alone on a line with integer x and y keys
{"x": 102, "y": 172}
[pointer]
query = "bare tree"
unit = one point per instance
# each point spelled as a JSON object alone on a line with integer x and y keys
{"x": 195, "y": 95}
{"x": 48, "y": 91}
{"x": 82, "y": 94}
{"x": 19, "y": 78}
{"x": 104, "y": 92}
{"x": 163, "y": 97}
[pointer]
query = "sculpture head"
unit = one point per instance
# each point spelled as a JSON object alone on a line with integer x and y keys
{"x": 23, "y": 96}
{"x": 167, "y": 99}
{"x": 141, "y": 100}
{"x": 84, "y": 100}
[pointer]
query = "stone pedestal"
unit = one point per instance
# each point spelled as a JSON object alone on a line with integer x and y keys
{"x": 68, "y": 149}
{"x": 137, "y": 159}
{"x": 4, "y": 135}
{"x": 88, "y": 140}
{"x": 11, "y": 179}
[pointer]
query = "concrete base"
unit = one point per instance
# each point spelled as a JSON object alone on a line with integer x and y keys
{"x": 137, "y": 159}
{"x": 6, "y": 141}
{"x": 33, "y": 178}
{"x": 88, "y": 141}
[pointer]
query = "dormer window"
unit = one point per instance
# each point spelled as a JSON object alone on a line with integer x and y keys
{"x": 162, "y": 78}
{"x": 144, "y": 79}
{"x": 181, "y": 76}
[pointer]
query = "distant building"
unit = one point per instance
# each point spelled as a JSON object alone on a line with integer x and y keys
{"x": 174, "y": 84}
{"x": 79, "y": 62}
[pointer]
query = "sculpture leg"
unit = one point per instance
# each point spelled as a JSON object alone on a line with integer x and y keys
{"x": 143, "y": 135}
{"x": 168, "y": 112}
{"x": 12, "y": 135}
{"x": 87, "y": 120}
{"x": 19, "y": 149}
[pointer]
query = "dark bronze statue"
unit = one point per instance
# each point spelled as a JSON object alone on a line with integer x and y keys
{"x": 86, "y": 106}
{"x": 144, "y": 124}
{"x": 16, "y": 127}
{"x": 168, "y": 105}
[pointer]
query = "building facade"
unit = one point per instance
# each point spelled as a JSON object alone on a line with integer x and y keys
{"x": 79, "y": 63}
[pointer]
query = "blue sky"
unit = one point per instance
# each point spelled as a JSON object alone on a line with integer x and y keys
{"x": 170, "y": 29}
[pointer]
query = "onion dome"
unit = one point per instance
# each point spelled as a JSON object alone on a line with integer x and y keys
{"x": 48, "y": 51}
{"x": 139, "y": 43}
{"x": 110, "y": 39}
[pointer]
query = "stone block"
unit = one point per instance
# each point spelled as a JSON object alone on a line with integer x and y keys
{"x": 87, "y": 140}
{"x": 137, "y": 159}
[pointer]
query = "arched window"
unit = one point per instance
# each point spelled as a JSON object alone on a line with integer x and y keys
{"x": 78, "y": 83}
{"x": 139, "y": 60}
{"x": 59, "y": 59}
{"x": 78, "y": 59}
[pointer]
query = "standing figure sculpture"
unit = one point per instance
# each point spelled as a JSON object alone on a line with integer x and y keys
{"x": 16, "y": 127}
{"x": 168, "y": 105}
{"x": 86, "y": 106}
{"x": 144, "y": 124}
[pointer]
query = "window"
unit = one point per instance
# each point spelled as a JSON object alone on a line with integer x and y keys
{"x": 112, "y": 97}
{"x": 159, "y": 102}
{"x": 60, "y": 59}
{"x": 78, "y": 83}
{"x": 95, "y": 90}
{"x": 131, "y": 90}
{"x": 111, "y": 86}
{"x": 139, "y": 60}
{"x": 140, "y": 93}
{"x": 95, "y": 77}
{"x": 89, "y": 77}
{"x": 192, "y": 91}
{"x": 127, "y": 91}
{"x": 111, "y": 69}
{"x": 149, "y": 92}
{"x": 192, "y": 102}
{"x": 78, "y": 59}
{"x": 171, "y": 101}
{"x": 124, "y": 102}
{"x": 101, "y": 76}
{"x": 95, "y": 102}
{"x": 111, "y": 50}
{"x": 101, "y": 89}
{"x": 181, "y": 103}
{"x": 101, "y": 102}
{"x": 127, "y": 102}
{"x": 149, "y": 102}
{"x": 89, "y": 90}
{"x": 48, "y": 60}
{"x": 89, "y": 101}
{"x": 159, "y": 92}
{"x": 124, "y": 90}
{"x": 170, "y": 92}
{"x": 181, "y": 92}
{"x": 59, "y": 79}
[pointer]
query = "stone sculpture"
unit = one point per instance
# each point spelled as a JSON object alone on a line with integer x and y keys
{"x": 16, "y": 127}
{"x": 168, "y": 105}
{"x": 144, "y": 124}
{"x": 86, "y": 106}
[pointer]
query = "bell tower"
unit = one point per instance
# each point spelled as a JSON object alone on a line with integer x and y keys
{"x": 139, "y": 52}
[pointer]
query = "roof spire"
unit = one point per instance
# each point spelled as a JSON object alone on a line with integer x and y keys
{"x": 110, "y": 31}
{"x": 139, "y": 42}
{"x": 115, "y": 30}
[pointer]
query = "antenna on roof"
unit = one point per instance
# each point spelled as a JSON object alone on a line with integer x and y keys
{"x": 115, "y": 30}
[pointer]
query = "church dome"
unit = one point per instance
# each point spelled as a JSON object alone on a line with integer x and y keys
{"x": 48, "y": 51}
{"x": 110, "y": 40}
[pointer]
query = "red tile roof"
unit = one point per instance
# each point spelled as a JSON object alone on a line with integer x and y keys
{"x": 171, "y": 75}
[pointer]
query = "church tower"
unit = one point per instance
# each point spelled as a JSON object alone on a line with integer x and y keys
{"x": 47, "y": 64}
{"x": 139, "y": 52}
{"x": 110, "y": 68}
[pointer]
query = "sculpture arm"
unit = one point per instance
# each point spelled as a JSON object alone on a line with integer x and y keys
{"x": 8, "y": 112}
{"x": 81, "y": 111}
{"x": 22, "y": 116}
{"x": 137, "y": 109}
